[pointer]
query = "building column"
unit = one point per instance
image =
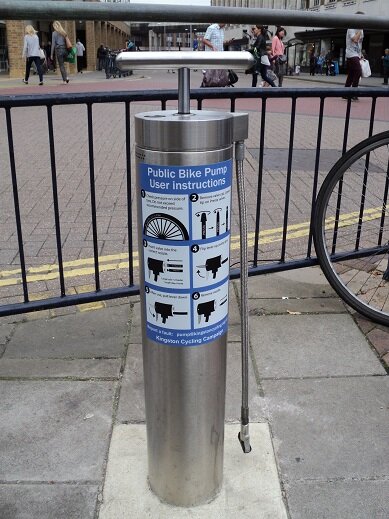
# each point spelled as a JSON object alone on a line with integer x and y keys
{"x": 15, "y": 37}
{"x": 90, "y": 44}
{"x": 70, "y": 28}
{"x": 104, "y": 34}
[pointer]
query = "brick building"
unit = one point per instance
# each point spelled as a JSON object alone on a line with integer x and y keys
{"x": 91, "y": 33}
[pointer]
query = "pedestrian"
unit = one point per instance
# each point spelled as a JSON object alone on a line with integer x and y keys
{"x": 312, "y": 63}
{"x": 80, "y": 55}
{"x": 195, "y": 43}
{"x": 31, "y": 51}
{"x": 320, "y": 63}
{"x": 214, "y": 41}
{"x": 47, "y": 49}
{"x": 58, "y": 45}
{"x": 214, "y": 37}
{"x": 278, "y": 52}
{"x": 101, "y": 55}
{"x": 385, "y": 62}
{"x": 260, "y": 33}
{"x": 354, "y": 39}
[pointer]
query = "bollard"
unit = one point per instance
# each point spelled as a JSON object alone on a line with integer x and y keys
{"x": 184, "y": 178}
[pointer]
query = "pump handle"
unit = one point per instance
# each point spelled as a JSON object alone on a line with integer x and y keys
{"x": 191, "y": 60}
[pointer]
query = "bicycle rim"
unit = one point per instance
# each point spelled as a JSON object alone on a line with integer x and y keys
{"x": 352, "y": 228}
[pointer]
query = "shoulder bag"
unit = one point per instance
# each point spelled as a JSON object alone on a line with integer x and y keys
{"x": 68, "y": 43}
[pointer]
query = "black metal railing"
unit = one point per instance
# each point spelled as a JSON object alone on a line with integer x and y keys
{"x": 260, "y": 263}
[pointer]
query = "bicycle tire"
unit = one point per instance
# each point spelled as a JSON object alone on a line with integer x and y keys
{"x": 165, "y": 227}
{"x": 352, "y": 247}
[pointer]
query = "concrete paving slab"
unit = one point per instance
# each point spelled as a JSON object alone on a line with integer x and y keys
{"x": 135, "y": 331}
{"x": 47, "y": 501}
{"x": 132, "y": 400}
{"x": 54, "y": 431}
{"x": 49, "y": 368}
{"x": 339, "y": 500}
{"x": 308, "y": 282}
{"x": 311, "y": 346}
{"x": 303, "y": 305}
{"x": 234, "y": 388}
{"x": 84, "y": 335}
{"x": 330, "y": 428}
{"x": 131, "y": 403}
{"x": 251, "y": 488}
{"x": 5, "y": 332}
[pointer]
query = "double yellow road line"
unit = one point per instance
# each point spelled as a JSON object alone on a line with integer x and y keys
{"x": 85, "y": 267}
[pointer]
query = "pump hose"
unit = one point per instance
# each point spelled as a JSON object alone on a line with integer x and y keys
{"x": 244, "y": 436}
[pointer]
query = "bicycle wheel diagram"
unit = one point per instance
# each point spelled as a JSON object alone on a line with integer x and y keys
{"x": 165, "y": 227}
{"x": 351, "y": 227}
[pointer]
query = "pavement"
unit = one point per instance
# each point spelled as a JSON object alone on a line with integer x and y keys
{"x": 72, "y": 407}
{"x": 71, "y": 380}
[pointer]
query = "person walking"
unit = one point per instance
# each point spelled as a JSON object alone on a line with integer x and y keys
{"x": 58, "y": 45}
{"x": 31, "y": 51}
{"x": 80, "y": 55}
{"x": 278, "y": 52}
{"x": 260, "y": 33}
{"x": 213, "y": 41}
{"x": 354, "y": 39}
{"x": 312, "y": 64}
{"x": 385, "y": 62}
{"x": 320, "y": 63}
{"x": 101, "y": 54}
{"x": 214, "y": 37}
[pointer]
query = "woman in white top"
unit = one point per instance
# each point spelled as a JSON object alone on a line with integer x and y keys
{"x": 58, "y": 44}
{"x": 31, "y": 51}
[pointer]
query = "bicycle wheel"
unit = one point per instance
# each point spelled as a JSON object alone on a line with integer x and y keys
{"x": 351, "y": 228}
{"x": 165, "y": 227}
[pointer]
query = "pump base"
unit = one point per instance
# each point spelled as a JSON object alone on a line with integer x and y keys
{"x": 250, "y": 483}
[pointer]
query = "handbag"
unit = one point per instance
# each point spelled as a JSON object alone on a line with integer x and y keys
{"x": 265, "y": 60}
{"x": 233, "y": 77}
{"x": 365, "y": 66}
{"x": 215, "y": 78}
{"x": 282, "y": 58}
{"x": 68, "y": 43}
{"x": 71, "y": 56}
{"x": 42, "y": 54}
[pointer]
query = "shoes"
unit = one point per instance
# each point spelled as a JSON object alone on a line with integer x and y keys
{"x": 25, "y": 82}
{"x": 41, "y": 83}
{"x": 355, "y": 98}
{"x": 67, "y": 80}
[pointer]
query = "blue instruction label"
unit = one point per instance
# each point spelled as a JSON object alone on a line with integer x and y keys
{"x": 186, "y": 215}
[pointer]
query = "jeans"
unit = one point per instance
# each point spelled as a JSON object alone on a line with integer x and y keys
{"x": 61, "y": 53}
{"x": 264, "y": 69}
{"x": 354, "y": 72}
{"x": 386, "y": 75}
{"x": 29, "y": 62}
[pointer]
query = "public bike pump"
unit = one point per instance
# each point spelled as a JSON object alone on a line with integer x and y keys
{"x": 184, "y": 179}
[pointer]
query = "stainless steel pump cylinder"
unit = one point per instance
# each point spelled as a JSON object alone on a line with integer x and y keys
{"x": 184, "y": 173}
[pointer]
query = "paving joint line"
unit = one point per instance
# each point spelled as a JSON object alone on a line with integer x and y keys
{"x": 325, "y": 377}
{"x": 50, "y": 482}
{"x": 70, "y": 378}
{"x": 115, "y": 407}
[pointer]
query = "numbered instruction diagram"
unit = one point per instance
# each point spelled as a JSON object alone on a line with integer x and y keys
{"x": 186, "y": 239}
